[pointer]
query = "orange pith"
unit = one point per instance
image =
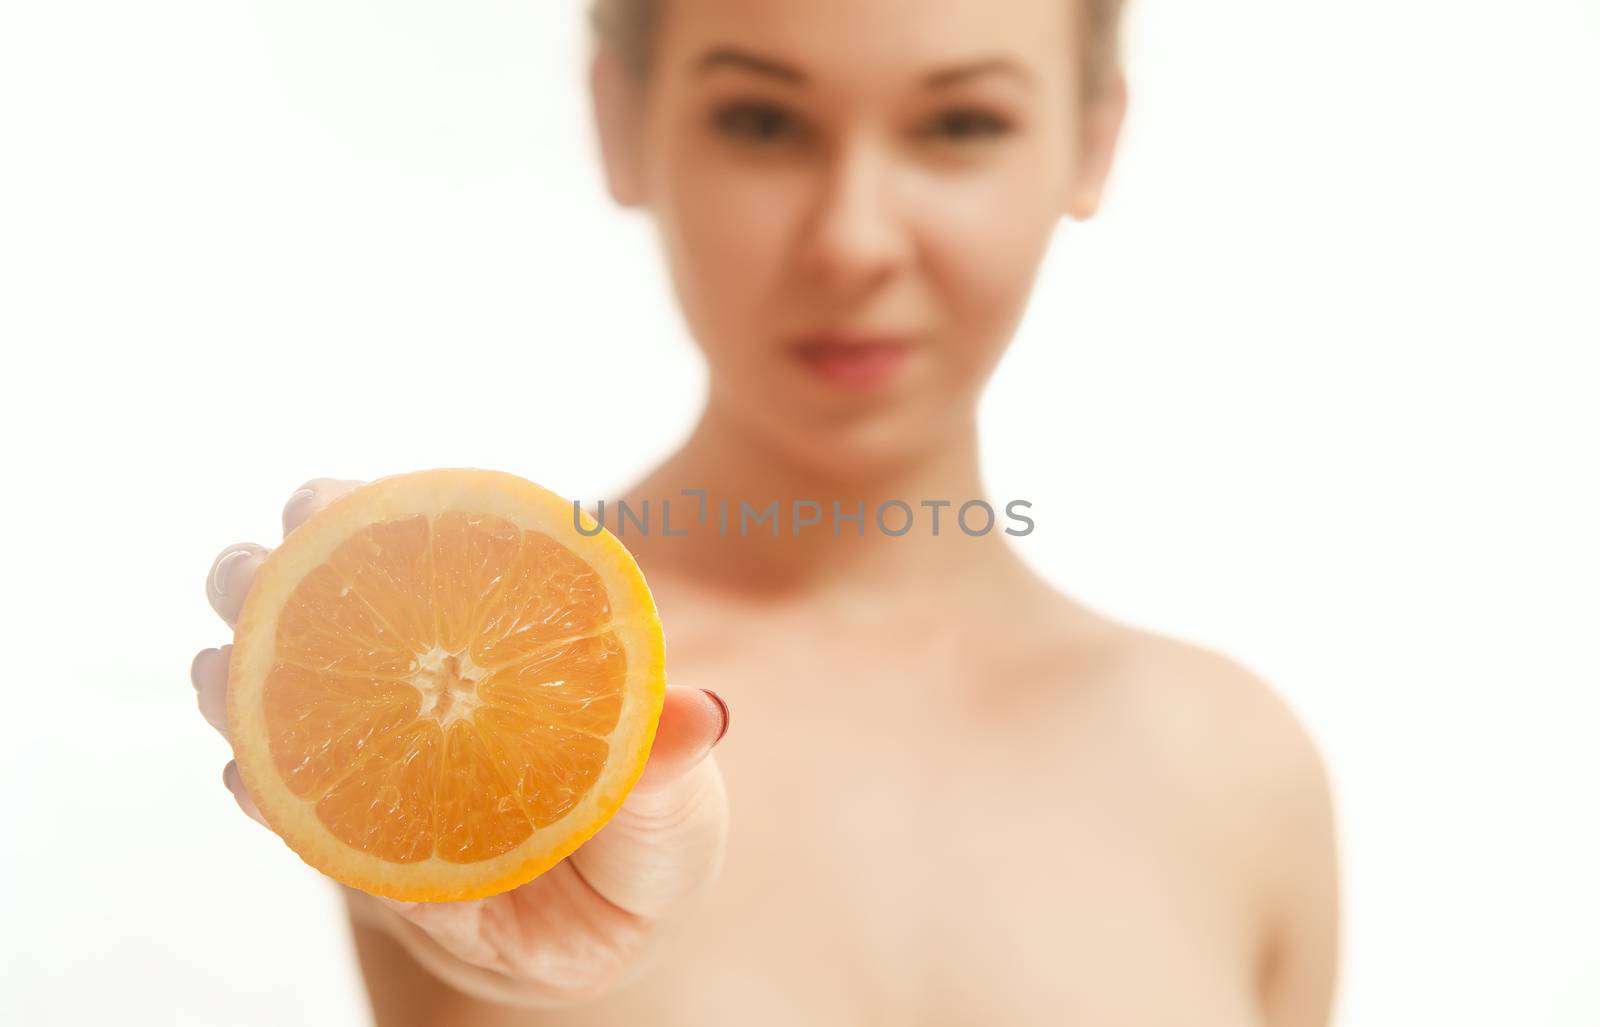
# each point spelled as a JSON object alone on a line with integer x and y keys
{"x": 440, "y": 687}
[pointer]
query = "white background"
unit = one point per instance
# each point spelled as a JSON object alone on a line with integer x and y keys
{"x": 1314, "y": 391}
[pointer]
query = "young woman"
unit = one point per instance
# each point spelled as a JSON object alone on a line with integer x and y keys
{"x": 956, "y": 796}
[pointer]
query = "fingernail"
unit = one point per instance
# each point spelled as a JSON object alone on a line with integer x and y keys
{"x": 298, "y": 495}
{"x": 723, "y": 706}
{"x": 219, "y": 573}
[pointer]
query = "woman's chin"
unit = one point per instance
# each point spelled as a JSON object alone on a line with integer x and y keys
{"x": 861, "y": 449}
{"x": 865, "y": 441}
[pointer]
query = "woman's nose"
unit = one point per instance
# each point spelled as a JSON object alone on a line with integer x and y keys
{"x": 854, "y": 235}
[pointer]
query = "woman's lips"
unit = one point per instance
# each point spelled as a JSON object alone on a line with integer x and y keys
{"x": 852, "y": 361}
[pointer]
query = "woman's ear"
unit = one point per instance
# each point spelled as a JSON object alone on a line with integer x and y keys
{"x": 1102, "y": 127}
{"x": 618, "y": 110}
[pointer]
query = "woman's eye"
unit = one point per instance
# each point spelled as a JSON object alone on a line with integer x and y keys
{"x": 965, "y": 125}
{"x": 756, "y": 122}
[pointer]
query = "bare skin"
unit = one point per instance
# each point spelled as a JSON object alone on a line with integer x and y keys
{"x": 1099, "y": 828}
{"x": 980, "y": 804}
{"x": 954, "y": 794}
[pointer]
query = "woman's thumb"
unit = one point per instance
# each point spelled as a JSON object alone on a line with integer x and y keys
{"x": 692, "y": 721}
{"x": 667, "y": 839}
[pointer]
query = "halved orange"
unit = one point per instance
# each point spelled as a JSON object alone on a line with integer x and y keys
{"x": 440, "y": 686}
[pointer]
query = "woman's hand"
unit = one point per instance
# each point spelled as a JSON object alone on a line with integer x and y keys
{"x": 589, "y": 923}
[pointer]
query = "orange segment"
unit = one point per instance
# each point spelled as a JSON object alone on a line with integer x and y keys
{"x": 440, "y": 687}
{"x": 325, "y": 625}
{"x": 577, "y": 684}
{"x": 470, "y": 557}
{"x": 387, "y": 566}
{"x": 478, "y": 816}
{"x": 385, "y": 807}
{"x": 548, "y": 594}
{"x": 320, "y": 722}
{"x": 551, "y": 766}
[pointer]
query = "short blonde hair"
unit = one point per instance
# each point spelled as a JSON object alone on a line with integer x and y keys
{"x": 628, "y": 29}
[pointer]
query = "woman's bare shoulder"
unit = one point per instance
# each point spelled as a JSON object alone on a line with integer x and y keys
{"x": 1249, "y": 783}
{"x": 1241, "y": 753}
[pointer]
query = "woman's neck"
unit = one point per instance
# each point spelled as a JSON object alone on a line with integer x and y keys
{"x": 747, "y": 518}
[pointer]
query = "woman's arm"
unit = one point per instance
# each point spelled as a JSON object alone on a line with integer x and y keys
{"x": 402, "y": 993}
{"x": 1267, "y": 808}
{"x": 1302, "y": 958}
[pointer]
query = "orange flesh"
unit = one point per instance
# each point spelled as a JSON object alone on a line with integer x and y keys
{"x": 442, "y": 687}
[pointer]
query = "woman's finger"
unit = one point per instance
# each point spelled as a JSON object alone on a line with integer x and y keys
{"x": 313, "y": 496}
{"x": 666, "y": 842}
{"x": 209, "y": 675}
{"x": 235, "y": 784}
{"x": 230, "y": 576}
{"x": 692, "y": 721}
{"x": 235, "y": 567}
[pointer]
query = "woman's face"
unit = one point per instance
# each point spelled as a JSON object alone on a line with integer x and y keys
{"x": 854, "y": 197}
